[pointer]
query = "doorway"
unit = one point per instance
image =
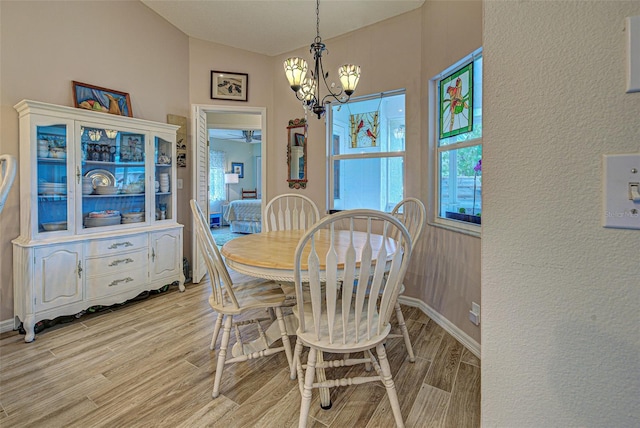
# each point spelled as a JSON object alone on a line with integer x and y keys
{"x": 233, "y": 120}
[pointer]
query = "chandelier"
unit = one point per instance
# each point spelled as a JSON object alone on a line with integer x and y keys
{"x": 307, "y": 88}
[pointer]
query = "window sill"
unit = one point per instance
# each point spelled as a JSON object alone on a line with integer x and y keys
{"x": 457, "y": 226}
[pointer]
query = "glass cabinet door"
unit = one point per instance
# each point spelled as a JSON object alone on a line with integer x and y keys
{"x": 163, "y": 177}
{"x": 52, "y": 177}
{"x": 113, "y": 177}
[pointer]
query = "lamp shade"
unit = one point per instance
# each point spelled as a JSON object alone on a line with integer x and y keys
{"x": 349, "y": 77}
{"x": 231, "y": 178}
{"x": 295, "y": 69}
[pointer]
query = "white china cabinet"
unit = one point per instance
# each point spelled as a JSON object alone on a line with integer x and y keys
{"x": 97, "y": 211}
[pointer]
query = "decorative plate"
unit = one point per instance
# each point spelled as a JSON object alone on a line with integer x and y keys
{"x": 101, "y": 177}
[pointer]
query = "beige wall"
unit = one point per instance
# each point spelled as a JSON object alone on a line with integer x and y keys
{"x": 206, "y": 56}
{"x": 46, "y": 45}
{"x": 560, "y": 293}
{"x": 448, "y": 276}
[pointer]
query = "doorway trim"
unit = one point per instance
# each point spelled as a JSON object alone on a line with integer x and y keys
{"x": 199, "y": 143}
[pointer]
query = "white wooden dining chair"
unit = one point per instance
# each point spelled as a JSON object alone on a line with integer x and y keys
{"x": 8, "y": 167}
{"x": 290, "y": 211}
{"x": 334, "y": 314}
{"x": 412, "y": 213}
{"x": 229, "y": 299}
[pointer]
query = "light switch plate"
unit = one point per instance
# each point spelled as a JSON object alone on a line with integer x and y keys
{"x": 619, "y": 210}
{"x": 633, "y": 53}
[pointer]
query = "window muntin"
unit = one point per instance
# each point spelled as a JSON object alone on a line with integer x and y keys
{"x": 363, "y": 173}
{"x": 458, "y": 159}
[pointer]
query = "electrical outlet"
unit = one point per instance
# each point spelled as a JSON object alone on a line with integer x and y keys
{"x": 474, "y": 313}
{"x": 180, "y": 183}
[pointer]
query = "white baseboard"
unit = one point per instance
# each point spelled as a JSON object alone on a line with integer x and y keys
{"x": 6, "y": 325}
{"x": 448, "y": 326}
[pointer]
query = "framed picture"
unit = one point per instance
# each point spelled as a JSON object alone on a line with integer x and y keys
{"x": 364, "y": 129}
{"x": 456, "y": 102}
{"x": 238, "y": 168}
{"x": 105, "y": 100}
{"x": 131, "y": 147}
{"x": 229, "y": 86}
{"x": 181, "y": 138}
{"x": 299, "y": 139}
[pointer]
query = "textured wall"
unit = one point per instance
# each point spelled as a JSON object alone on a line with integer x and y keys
{"x": 46, "y": 45}
{"x": 560, "y": 293}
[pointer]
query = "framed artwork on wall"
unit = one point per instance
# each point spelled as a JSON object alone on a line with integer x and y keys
{"x": 105, "y": 100}
{"x": 229, "y": 86}
{"x": 456, "y": 102}
{"x": 364, "y": 129}
{"x": 237, "y": 168}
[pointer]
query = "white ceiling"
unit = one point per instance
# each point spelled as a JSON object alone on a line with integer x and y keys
{"x": 274, "y": 27}
{"x": 235, "y": 135}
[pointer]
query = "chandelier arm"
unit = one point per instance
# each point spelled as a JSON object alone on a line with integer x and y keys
{"x": 331, "y": 94}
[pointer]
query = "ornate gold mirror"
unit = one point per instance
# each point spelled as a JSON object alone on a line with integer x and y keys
{"x": 297, "y": 153}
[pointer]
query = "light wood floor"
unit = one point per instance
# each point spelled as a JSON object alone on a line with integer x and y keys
{"x": 148, "y": 364}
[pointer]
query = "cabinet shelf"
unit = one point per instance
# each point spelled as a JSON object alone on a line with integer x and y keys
{"x": 52, "y": 198}
{"x": 120, "y": 164}
{"x": 117, "y": 195}
{"x": 53, "y": 160}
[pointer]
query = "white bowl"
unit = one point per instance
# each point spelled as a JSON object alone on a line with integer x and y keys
{"x": 104, "y": 214}
{"x": 100, "y": 222}
{"x": 56, "y": 225}
{"x": 106, "y": 190}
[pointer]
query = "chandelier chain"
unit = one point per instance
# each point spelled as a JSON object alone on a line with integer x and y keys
{"x": 318, "y": 20}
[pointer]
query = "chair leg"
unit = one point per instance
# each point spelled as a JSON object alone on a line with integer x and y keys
{"x": 387, "y": 380}
{"x": 297, "y": 365}
{"x": 216, "y": 330}
{"x": 305, "y": 402}
{"x": 405, "y": 333}
{"x": 222, "y": 354}
{"x": 285, "y": 341}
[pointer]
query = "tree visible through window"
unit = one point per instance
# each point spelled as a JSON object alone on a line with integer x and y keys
{"x": 366, "y": 152}
{"x": 459, "y": 142}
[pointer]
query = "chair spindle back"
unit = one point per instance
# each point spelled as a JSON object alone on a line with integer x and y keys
{"x": 222, "y": 287}
{"x": 339, "y": 315}
{"x": 412, "y": 213}
{"x": 290, "y": 212}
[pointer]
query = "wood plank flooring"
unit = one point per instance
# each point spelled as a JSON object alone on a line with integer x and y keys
{"x": 148, "y": 364}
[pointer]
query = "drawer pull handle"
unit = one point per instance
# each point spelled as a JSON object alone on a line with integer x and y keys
{"x": 118, "y": 281}
{"x": 117, "y": 262}
{"x": 79, "y": 270}
{"x": 118, "y": 244}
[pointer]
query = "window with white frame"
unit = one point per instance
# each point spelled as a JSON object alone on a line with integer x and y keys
{"x": 216, "y": 175}
{"x": 458, "y": 147}
{"x": 366, "y": 146}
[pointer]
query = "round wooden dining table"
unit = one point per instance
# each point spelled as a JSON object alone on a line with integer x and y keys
{"x": 270, "y": 255}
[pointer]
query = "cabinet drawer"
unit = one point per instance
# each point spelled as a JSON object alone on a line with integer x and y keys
{"x": 103, "y": 247}
{"x": 116, "y": 263}
{"x": 116, "y": 283}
